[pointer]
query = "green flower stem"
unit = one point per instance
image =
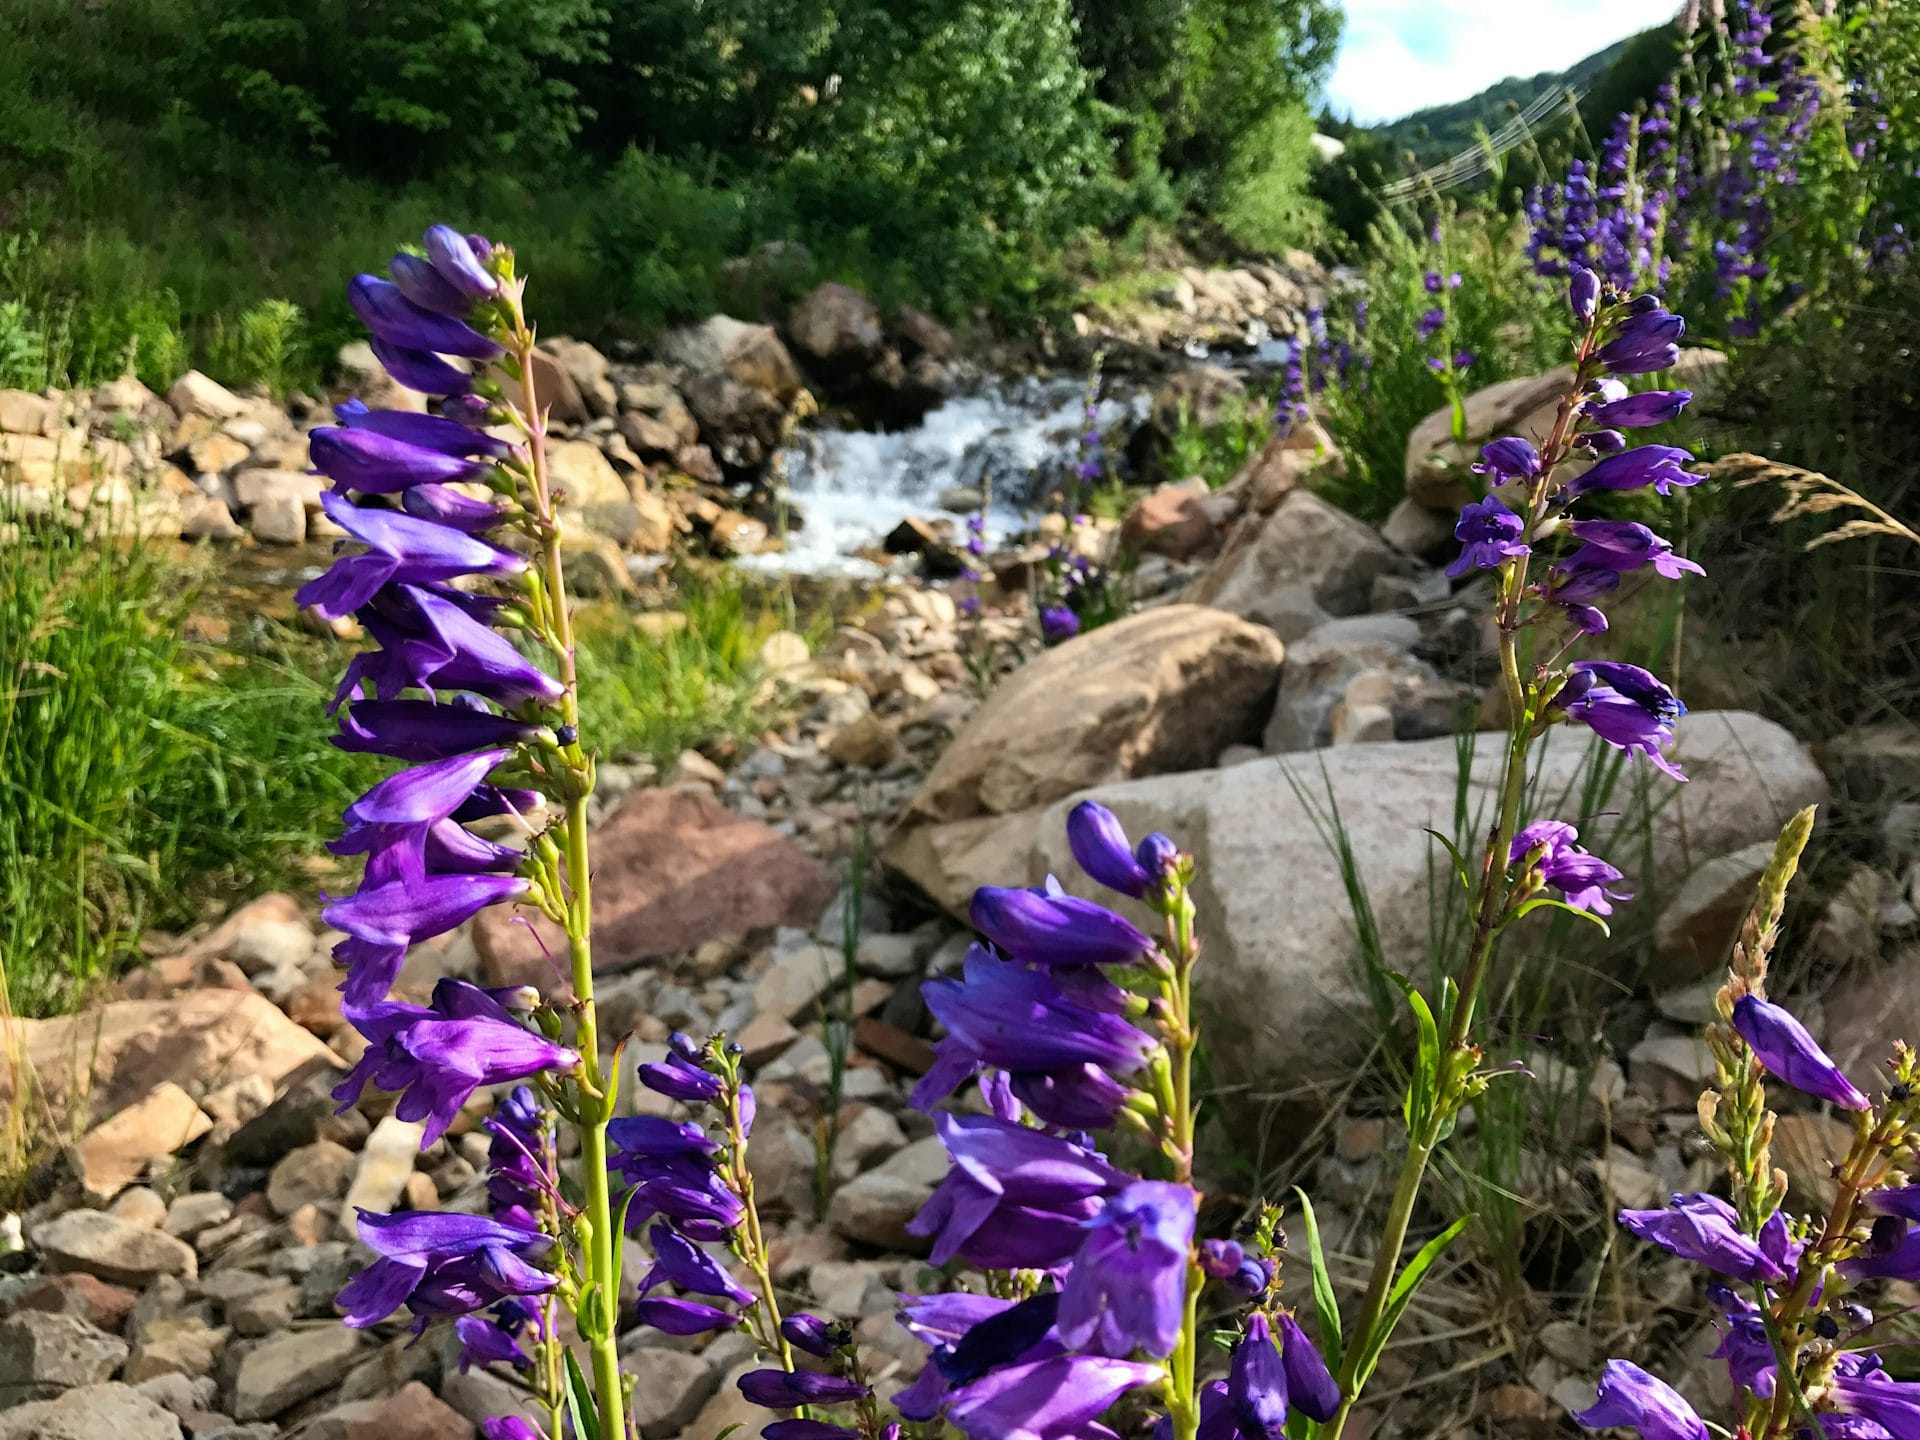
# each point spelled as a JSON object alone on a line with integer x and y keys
{"x": 1490, "y": 907}
{"x": 599, "y": 1322}
{"x": 1183, "y": 1400}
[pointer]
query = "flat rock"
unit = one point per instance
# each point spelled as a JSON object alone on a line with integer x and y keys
{"x": 386, "y": 1164}
{"x": 91, "y": 1413}
{"x": 87, "y": 1296}
{"x": 1696, "y": 927}
{"x": 319, "y": 1171}
{"x": 412, "y": 1413}
{"x": 280, "y": 1372}
{"x": 183, "y": 1345}
{"x": 1272, "y": 910}
{"x": 118, "y": 1150}
{"x": 112, "y": 1250}
{"x": 672, "y": 870}
{"x": 42, "y": 1355}
{"x": 197, "y": 1040}
{"x": 1164, "y": 690}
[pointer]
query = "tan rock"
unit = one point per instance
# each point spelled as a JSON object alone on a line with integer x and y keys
{"x": 204, "y": 518}
{"x": 752, "y": 355}
{"x": 258, "y": 487}
{"x": 1170, "y": 521}
{"x": 836, "y": 325}
{"x": 1295, "y": 568}
{"x": 1160, "y": 691}
{"x": 196, "y": 394}
{"x": 673, "y": 868}
{"x": 1438, "y": 473}
{"x": 1695, "y": 931}
{"x": 586, "y": 475}
{"x": 553, "y": 390}
{"x": 119, "y": 1150}
{"x": 319, "y": 1171}
{"x": 868, "y": 742}
{"x": 587, "y": 368}
{"x": 24, "y": 413}
{"x": 380, "y": 1176}
{"x": 215, "y": 454}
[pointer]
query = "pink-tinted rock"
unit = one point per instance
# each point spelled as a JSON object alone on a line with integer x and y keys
{"x": 672, "y": 869}
{"x": 1170, "y": 521}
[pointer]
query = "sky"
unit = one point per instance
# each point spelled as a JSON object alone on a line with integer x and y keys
{"x": 1398, "y": 56}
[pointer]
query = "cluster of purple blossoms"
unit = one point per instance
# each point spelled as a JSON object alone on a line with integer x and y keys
{"x": 1776, "y": 1275}
{"x": 1049, "y": 1018}
{"x": 969, "y": 602}
{"x": 448, "y": 693}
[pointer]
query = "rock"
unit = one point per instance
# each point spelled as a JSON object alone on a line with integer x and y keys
{"x": 1170, "y": 521}
{"x": 185, "y": 1345}
{"x": 783, "y": 650}
{"x": 1162, "y": 690}
{"x": 41, "y": 1355}
{"x": 24, "y": 413}
{"x": 279, "y": 488}
{"x": 206, "y": 518}
{"x": 1424, "y": 533}
{"x": 1203, "y": 395}
{"x": 587, "y": 477}
{"x": 215, "y": 454}
{"x": 265, "y": 1311}
{"x": 595, "y": 567}
{"x": 653, "y": 438}
{"x": 1808, "y": 1148}
{"x": 265, "y": 932}
{"x": 836, "y": 326}
{"x": 1695, "y": 931}
{"x": 868, "y": 743}
{"x": 278, "y": 520}
{"x": 139, "y": 1206}
{"x": 728, "y": 1411}
{"x": 101, "y": 1305}
{"x": 673, "y": 868}
{"x": 414, "y": 1413}
{"x": 118, "y": 1151}
{"x": 386, "y": 1163}
{"x": 1271, "y": 906}
{"x": 196, "y": 394}
{"x": 1321, "y": 666}
{"x": 587, "y": 368}
{"x": 112, "y": 1250}
{"x": 793, "y": 987}
{"x": 280, "y": 1372}
{"x": 1438, "y": 469}
{"x": 553, "y": 388}
{"x": 874, "y": 1208}
{"x": 90, "y": 1413}
{"x": 1292, "y": 570}
{"x": 751, "y": 355}
{"x": 743, "y": 424}
{"x": 669, "y": 1388}
{"x": 319, "y": 1171}
{"x": 921, "y": 334}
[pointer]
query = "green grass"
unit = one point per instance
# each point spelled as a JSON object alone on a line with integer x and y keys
{"x": 141, "y": 776}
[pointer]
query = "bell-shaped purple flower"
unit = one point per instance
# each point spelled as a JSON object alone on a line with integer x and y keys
{"x": 812, "y": 1335}
{"x": 1128, "y": 1285}
{"x": 426, "y": 286}
{"x": 1639, "y": 412}
{"x": 789, "y": 1390}
{"x": 1015, "y": 1199}
{"x": 493, "y": 1339}
{"x": 1257, "y": 1383}
{"x": 400, "y": 914}
{"x": 1052, "y": 1399}
{"x": 424, "y": 730}
{"x": 1791, "y": 1055}
{"x": 1580, "y": 877}
{"x": 510, "y": 1427}
{"x": 442, "y": 1264}
{"x": 1644, "y": 343}
{"x": 797, "y": 1429}
{"x": 1047, "y": 926}
{"x": 1510, "y": 458}
{"x": 1020, "y": 1020}
{"x": 678, "y": 1261}
{"x": 1661, "y": 466}
{"x": 1620, "y": 546}
{"x": 429, "y": 642}
{"x": 428, "y": 432}
{"x": 392, "y": 317}
{"x": 1705, "y": 1230}
{"x": 1901, "y": 1200}
{"x": 681, "y": 1076}
{"x": 380, "y": 464}
{"x": 1864, "y": 1391}
{"x": 1892, "y": 1253}
{"x": 401, "y": 549}
{"x": 1311, "y": 1388}
{"x": 460, "y": 259}
{"x": 421, "y": 370}
{"x": 672, "y": 1315}
{"x": 1490, "y": 535}
{"x": 1058, "y": 623}
{"x": 1629, "y": 1397}
{"x": 1099, "y": 845}
{"x": 444, "y": 505}
{"x": 1625, "y": 706}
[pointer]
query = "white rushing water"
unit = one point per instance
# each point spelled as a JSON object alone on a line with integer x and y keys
{"x": 851, "y": 487}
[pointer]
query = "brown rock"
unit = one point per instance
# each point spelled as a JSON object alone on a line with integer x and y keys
{"x": 1170, "y": 521}
{"x": 91, "y": 1298}
{"x": 836, "y": 325}
{"x": 585, "y": 475}
{"x": 24, "y": 413}
{"x": 1297, "y": 567}
{"x": 131, "y": 1047}
{"x": 1163, "y": 690}
{"x": 553, "y": 388}
{"x": 921, "y": 334}
{"x": 648, "y": 436}
{"x": 1695, "y": 931}
{"x": 414, "y": 1413}
{"x": 1203, "y": 395}
{"x": 672, "y": 868}
{"x": 1808, "y": 1147}
{"x": 117, "y": 1152}
{"x": 892, "y": 1044}
{"x": 869, "y": 742}
{"x": 319, "y": 1171}
{"x": 1438, "y": 474}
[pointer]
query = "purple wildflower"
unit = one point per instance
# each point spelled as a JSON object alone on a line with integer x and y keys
{"x": 1782, "y": 1045}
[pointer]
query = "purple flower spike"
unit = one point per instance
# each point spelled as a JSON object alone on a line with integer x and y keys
{"x": 1630, "y": 1397}
{"x": 1781, "y": 1043}
{"x": 1099, "y": 845}
{"x": 1705, "y": 1230}
{"x": 400, "y": 549}
{"x": 1490, "y": 535}
{"x": 673, "y": 1316}
{"x": 1257, "y": 1384}
{"x": 1311, "y": 1388}
{"x": 1052, "y": 1399}
{"x": 458, "y": 259}
{"x": 781, "y": 1390}
{"x": 392, "y": 317}
{"x": 1047, "y": 926}
{"x": 1127, "y": 1289}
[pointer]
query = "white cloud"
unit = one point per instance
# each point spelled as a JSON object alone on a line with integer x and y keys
{"x": 1398, "y": 56}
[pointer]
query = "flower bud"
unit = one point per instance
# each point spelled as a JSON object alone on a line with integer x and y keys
{"x": 1099, "y": 844}
{"x": 1583, "y": 294}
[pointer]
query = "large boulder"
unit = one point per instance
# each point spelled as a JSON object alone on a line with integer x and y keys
{"x": 672, "y": 869}
{"x": 1296, "y": 568}
{"x": 1438, "y": 466}
{"x": 836, "y": 326}
{"x": 1166, "y": 689}
{"x": 1272, "y": 904}
{"x": 587, "y": 368}
{"x": 752, "y": 355}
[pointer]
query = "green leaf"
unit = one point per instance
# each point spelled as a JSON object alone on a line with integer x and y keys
{"x": 1402, "y": 1295}
{"x": 1548, "y": 900}
{"x": 620, "y": 1238}
{"x": 580, "y": 1401}
{"x": 1459, "y": 860}
{"x": 1325, "y": 1307}
{"x": 1424, "y": 1085}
